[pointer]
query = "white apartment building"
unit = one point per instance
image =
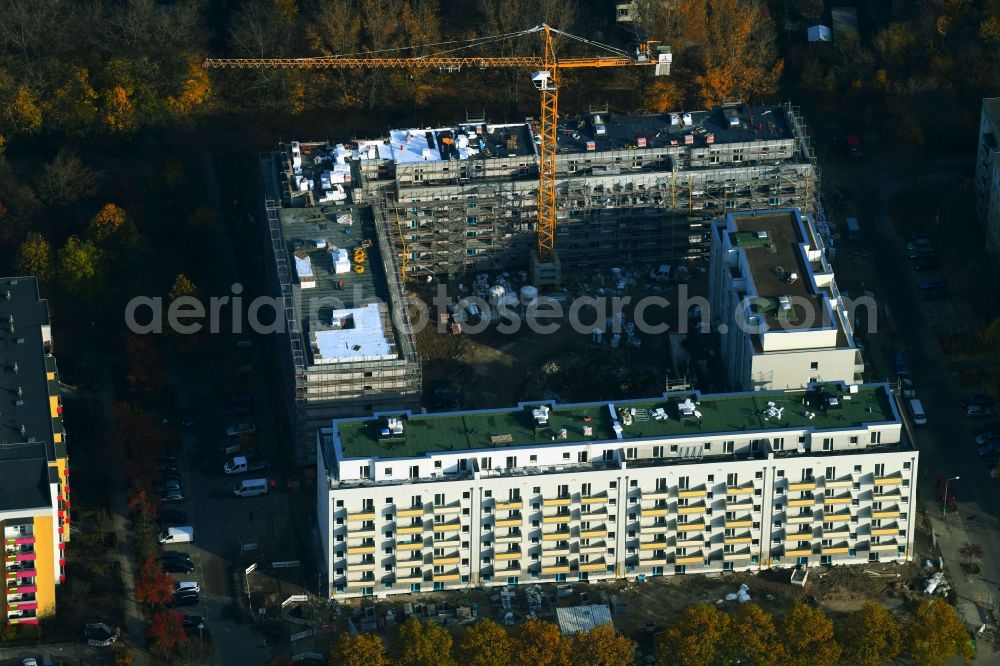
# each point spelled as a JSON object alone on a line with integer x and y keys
{"x": 680, "y": 484}
{"x": 987, "y": 182}
{"x": 783, "y": 322}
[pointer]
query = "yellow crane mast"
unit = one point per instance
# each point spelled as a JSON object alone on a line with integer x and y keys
{"x": 545, "y": 78}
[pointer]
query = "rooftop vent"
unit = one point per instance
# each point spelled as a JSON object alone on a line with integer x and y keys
{"x": 762, "y": 235}
{"x": 784, "y": 303}
{"x": 541, "y": 415}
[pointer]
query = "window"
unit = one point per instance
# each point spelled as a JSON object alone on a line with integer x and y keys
{"x": 728, "y": 447}
{"x": 854, "y": 440}
{"x": 565, "y": 455}
{"x": 682, "y": 482}
{"x": 828, "y": 443}
{"x": 831, "y": 473}
{"x": 416, "y": 502}
{"x": 657, "y": 451}
{"x": 415, "y": 472}
{"x": 532, "y": 458}
{"x": 631, "y": 453}
{"x": 906, "y": 465}
{"x": 388, "y": 471}
{"x": 779, "y": 443}
{"x": 876, "y": 437}
{"x": 880, "y": 469}
{"x": 814, "y": 365}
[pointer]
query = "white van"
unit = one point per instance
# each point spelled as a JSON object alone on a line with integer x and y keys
{"x": 250, "y": 488}
{"x": 183, "y": 534}
{"x": 917, "y": 411}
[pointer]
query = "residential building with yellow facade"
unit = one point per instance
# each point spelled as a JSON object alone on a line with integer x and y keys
{"x": 34, "y": 470}
{"x": 680, "y": 484}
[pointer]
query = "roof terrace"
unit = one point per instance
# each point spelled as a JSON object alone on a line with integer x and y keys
{"x": 820, "y": 408}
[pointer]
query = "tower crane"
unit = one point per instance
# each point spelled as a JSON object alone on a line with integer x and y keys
{"x": 545, "y": 77}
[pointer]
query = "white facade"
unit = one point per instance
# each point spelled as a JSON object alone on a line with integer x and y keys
{"x": 638, "y": 495}
{"x": 987, "y": 180}
{"x": 762, "y": 351}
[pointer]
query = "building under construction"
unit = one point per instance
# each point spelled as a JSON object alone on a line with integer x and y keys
{"x": 635, "y": 188}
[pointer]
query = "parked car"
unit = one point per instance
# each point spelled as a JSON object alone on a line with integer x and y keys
{"x": 171, "y": 496}
{"x": 940, "y": 485}
{"x": 29, "y": 661}
{"x": 178, "y": 534}
{"x": 182, "y": 599}
{"x": 907, "y": 388}
{"x": 981, "y": 399}
{"x": 927, "y": 262}
{"x": 175, "y": 555}
{"x": 854, "y": 146}
{"x": 990, "y": 448}
{"x": 978, "y": 411}
{"x": 900, "y": 365}
{"x": 186, "y": 586}
{"x": 171, "y": 517}
{"x": 241, "y": 429}
{"x": 244, "y": 464}
{"x": 177, "y": 566}
{"x": 168, "y": 484}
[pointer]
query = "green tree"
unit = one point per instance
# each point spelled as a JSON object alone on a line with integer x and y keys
{"x": 541, "y": 644}
{"x": 35, "y": 257}
{"x": 752, "y": 638}
{"x": 422, "y": 644}
{"x": 807, "y": 634}
{"x": 359, "y": 650}
{"x": 486, "y": 644}
{"x": 79, "y": 266}
{"x": 936, "y": 635}
{"x": 870, "y": 636}
{"x": 695, "y": 639}
{"x": 183, "y": 287}
{"x": 602, "y": 646}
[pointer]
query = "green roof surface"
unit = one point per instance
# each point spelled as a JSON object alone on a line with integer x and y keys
{"x": 734, "y": 412}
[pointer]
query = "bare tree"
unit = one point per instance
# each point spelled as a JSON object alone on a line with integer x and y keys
{"x": 66, "y": 180}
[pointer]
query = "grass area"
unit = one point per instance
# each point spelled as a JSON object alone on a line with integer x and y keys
{"x": 508, "y": 428}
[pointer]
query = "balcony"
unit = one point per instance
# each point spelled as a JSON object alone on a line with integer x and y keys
{"x": 840, "y": 548}
{"x": 600, "y": 565}
{"x": 692, "y": 509}
{"x": 361, "y": 550}
{"x": 557, "y": 551}
{"x": 895, "y": 480}
{"x": 654, "y": 511}
{"x": 836, "y": 517}
{"x": 361, "y": 515}
{"x": 361, "y": 533}
{"x": 745, "y": 489}
{"x": 594, "y": 499}
{"x": 691, "y": 527}
{"x": 16, "y": 533}
{"x": 839, "y": 529}
{"x": 739, "y": 538}
{"x": 509, "y": 522}
{"x": 593, "y": 549}
{"x": 594, "y": 512}
{"x": 561, "y": 535}
{"x": 409, "y": 578}
{"x": 655, "y": 528}
{"x": 890, "y": 530}
{"x": 409, "y": 545}
{"x": 893, "y": 495}
{"x": 794, "y": 551}
{"x": 517, "y": 537}
{"x": 802, "y": 485}
{"x": 802, "y": 501}
{"x": 447, "y": 509}
{"x": 658, "y": 544}
{"x": 507, "y": 554}
{"x": 414, "y": 512}
{"x": 411, "y": 529}
{"x": 555, "y": 569}
{"x": 690, "y": 539}
{"x": 447, "y": 577}
{"x": 557, "y": 501}
{"x": 839, "y": 483}
{"x": 558, "y": 519}
{"x": 361, "y": 582}
{"x": 692, "y": 492}
{"x": 450, "y": 558}
{"x": 835, "y": 501}
{"x": 879, "y": 514}
{"x": 697, "y": 558}
{"x": 658, "y": 494}
{"x": 800, "y": 519}
{"x": 736, "y": 555}
{"x": 363, "y": 565}
{"x": 737, "y": 523}
{"x": 889, "y": 545}
{"x": 452, "y": 526}
{"x": 510, "y": 505}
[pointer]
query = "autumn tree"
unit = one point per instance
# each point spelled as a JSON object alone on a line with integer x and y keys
{"x": 66, "y": 180}
{"x": 152, "y": 586}
{"x": 422, "y": 644}
{"x": 486, "y": 644}
{"x": 695, "y": 639}
{"x": 183, "y": 286}
{"x": 541, "y": 644}
{"x": 79, "y": 266}
{"x": 936, "y": 635}
{"x": 359, "y": 650}
{"x": 146, "y": 370}
{"x": 72, "y": 105}
{"x": 195, "y": 90}
{"x": 807, "y": 634}
{"x": 870, "y": 636}
{"x": 602, "y": 646}
{"x": 138, "y": 435}
{"x": 166, "y": 632}
{"x": 35, "y": 257}
{"x": 21, "y": 111}
{"x": 752, "y": 638}
{"x": 117, "y": 109}
{"x": 108, "y": 221}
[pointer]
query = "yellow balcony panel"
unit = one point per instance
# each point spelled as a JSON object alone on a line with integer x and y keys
{"x": 802, "y": 502}
{"x": 655, "y": 495}
{"x": 885, "y": 531}
{"x": 799, "y": 520}
{"x": 508, "y": 538}
{"x": 509, "y": 522}
{"x": 797, "y": 552}
{"x": 411, "y": 529}
{"x": 653, "y": 545}
{"x": 740, "y": 490}
{"x": 733, "y": 557}
{"x": 688, "y": 510}
{"x": 883, "y": 546}
{"x": 889, "y": 513}
{"x": 833, "y": 550}
{"x": 509, "y": 506}
{"x": 888, "y": 480}
{"x": 507, "y": 555}
{"x": 592, "y": 566}
{"x": 836, "y": 517}
{"x": 555, "y": 536}
{"x": 829, "y": 501}
{"x": 556, "y": 569}
{"x": 738, "y": 539}
{"x": 592, "y": 533}
{"x": 361, "y": 515}
{"x": 692, "y": 493}
{"x": 450, "y": 559}
{"x": 690, "y": 559}
{"x": 556, "y": 501}
{"x": 409, "y": 545}
{"x": 653, "y": 529}
{"x": 802, "y": 485}
{"x": 654, "y": 511}
{"x": 410, "y": 513}
{"x": 690, "y": 527}
{"x": 447, "y": 510}
{"x": 557, "y": 519}
{"x": 843, "y": 483}
{"x": 361, "y": 550}
{"x": 447, "y": 527}
{"x": 798, "y": 536}
{"x": 360, "y": 583}
{"x": 737, "y": 523}
{"x": 594, "y": 499}
{"x": 446, "y": 578}
{"x": 593, "y": 550}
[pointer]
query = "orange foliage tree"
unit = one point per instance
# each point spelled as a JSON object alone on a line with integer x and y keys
{"x": 167, "y": 630}
{"x": 542, "y": 644}
{"x": 146, "y": 367}
{"x": 152, "y": 586}
{"x": 108, "y": 220}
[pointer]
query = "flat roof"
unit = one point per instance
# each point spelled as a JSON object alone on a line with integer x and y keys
{"x": 24, "y": 477}
{"x": 574, "y": 619}
{"x": 726, "y": 412}
{"x": 25, "y": 414}
{"x": 311, "y": 236}
{"x": 460, "y": 142}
